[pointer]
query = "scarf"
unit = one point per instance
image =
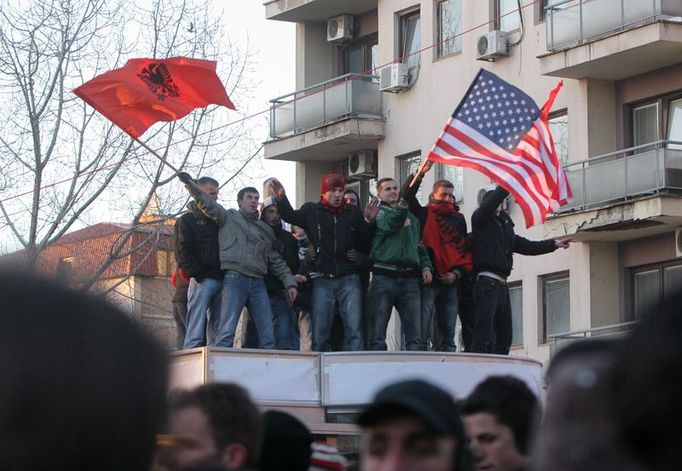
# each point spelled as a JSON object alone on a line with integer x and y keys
{"x": 449, "y": 248}
{"x": 250, "y": 217}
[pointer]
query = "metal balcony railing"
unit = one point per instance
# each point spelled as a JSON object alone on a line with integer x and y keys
{"x": 573, "y": 22}
{"x": 327, "y": 102}
{"x": 624, "y": 174}
{"x": 557, "y": 341}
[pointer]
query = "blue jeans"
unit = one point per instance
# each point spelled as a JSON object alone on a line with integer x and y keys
{"x": 239, "y": 291}
{"x": 285, "y": 324}
{"x": 202, "y": 297}
{"x": 403, "y": 293}
{"x": 442, "y": 302}
{"x": 327, "y": 292}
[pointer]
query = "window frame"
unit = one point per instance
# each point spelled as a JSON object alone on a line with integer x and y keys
{"x": 559, "y": 114}
{"x": 497, "y": 11}
{"x": 631, "y": 314}
{"x": 544, "y": 337}
{"x": 516, "y": 285}
{"x": 662, "y": 115}
{"x": 402, "y": 18}
{"x": 365, "y": 45}
{"x": 438, "y": 30}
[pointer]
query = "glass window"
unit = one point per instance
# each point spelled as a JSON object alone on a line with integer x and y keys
{"x": 508, "y": 15}
{"x": 410, "y": 38}
{"x": 558, "y": 126}
{"x": 406, "y": 165}
{"x": 645, "y": 124}
{"x": 675, "y": 124}
{"x": 557, "y": 306}
{"x": 672, "y": 277}
{"x": 647, "y": 286}
{"x": 449, "y": 27}
{"x": 354, "y": 62}
{"x": 516, "y": 299}
{"x": 454, "y": 175}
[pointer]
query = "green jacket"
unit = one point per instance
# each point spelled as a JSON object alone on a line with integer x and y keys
{"x": 396, "y": 240}
{"x": 244, "y": 246}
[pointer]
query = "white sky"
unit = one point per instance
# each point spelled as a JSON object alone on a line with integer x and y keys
{"x": 274, "y": 46}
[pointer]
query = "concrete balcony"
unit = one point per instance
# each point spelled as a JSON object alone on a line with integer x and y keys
{"x": 326, "y": 121}
{"x": 300, "y": 11}
{"x": 628, "y": 194}
{"x": 611, "y": 39}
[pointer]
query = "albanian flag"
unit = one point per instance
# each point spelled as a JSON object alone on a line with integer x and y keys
{"x": 145, "y": 91}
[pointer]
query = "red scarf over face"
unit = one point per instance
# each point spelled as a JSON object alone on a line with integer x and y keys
{"x": 449, "y": 248}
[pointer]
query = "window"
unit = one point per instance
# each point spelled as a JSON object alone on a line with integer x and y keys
{"x": 556, "y": 305}
{"x": 657, "y": 119}
{"x": 652, "y": 284}
{"x": 507, "y": 15}
{"x": 645, "y": 124}
{"x": 165, "y": 262}
{"x": 449, "y": 27}
{"x": 675, "y": 124}
{"x": 516, "y": 299}
{"x": 410, "y": 38}
{"x": 454, "y": 175}
{"x": 558, "y": 125}
{"x": 406, "y": 165}
{"x": 362, "y": 57}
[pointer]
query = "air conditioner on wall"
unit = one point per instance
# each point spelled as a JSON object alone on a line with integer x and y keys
{"x": 340, "y": 28}
{"x": 361, "y": 165}
{"x": 393, "y": 78}
{"x": 481, "y": 193}
{"x": 492, "y": 45}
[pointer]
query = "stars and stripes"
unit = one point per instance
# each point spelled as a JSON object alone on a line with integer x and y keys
{"x": 498, "y": 130}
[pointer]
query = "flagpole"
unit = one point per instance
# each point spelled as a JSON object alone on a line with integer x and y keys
{"x": 419, "y": 169}
{"x": 171, "y": 166}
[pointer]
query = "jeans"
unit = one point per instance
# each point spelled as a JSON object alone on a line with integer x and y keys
{"x": 403, "y": 293}
{"x": 239, "y": 291}
{"x": 493, "y": 321}
{"x": 327, "y": 292}
{"x": 202, "y": 297}
{"x": 441, "y": 302}
{"x": 284, "y": 321}
{"x": 180, "y": 316}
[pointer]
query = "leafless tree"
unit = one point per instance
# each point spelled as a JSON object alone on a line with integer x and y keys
{"x": 64, "y": 165}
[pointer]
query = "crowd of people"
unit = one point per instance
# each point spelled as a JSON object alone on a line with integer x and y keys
{"x": 84, "y": 388}
{"x": 343, "y": 262}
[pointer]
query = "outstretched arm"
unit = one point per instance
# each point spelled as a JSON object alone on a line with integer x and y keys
{"x": 488, "y": 206}
{"x": 204, "y": 202}
{"x": 286, "y": 211}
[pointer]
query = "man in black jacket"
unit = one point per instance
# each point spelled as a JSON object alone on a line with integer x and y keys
{"x": 196, "y": 247}
{"x": 494, "y": 243}
{"x": 341, "y": 238}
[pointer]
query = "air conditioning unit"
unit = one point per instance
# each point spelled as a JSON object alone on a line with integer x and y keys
{"x": 340, "y": 28}
{"x": 393, "y": 78}
{"x": 361, "y": 165}
{"x": 678, "y": 242}
{"x": 481, "y": 193}
{"x": 492, "y": 45}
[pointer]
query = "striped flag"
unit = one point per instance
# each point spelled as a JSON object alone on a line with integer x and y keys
{"x": 500, "y": 131}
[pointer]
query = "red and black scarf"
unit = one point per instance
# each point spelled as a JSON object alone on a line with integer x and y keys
{"x": 449, "y": 248}
{"x": 332, "y": 209}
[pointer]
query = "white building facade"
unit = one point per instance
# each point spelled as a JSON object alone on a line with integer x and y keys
{"x": 617, "y": 124}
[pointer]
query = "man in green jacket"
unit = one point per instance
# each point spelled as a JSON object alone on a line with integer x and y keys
{"x": 247, "y": 248}
{"x": 400, "y": 263}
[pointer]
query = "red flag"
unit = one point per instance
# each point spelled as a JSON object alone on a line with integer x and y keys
{"x": 145, "y": 91}
{"x": 500, "y": 131}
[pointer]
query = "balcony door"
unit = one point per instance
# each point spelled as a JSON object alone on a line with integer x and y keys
{"x": 361, "y": 57}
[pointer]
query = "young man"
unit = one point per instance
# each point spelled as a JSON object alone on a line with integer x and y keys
{"x": 214, "y": 425}
{"x": 445, "y": 237}
{"x": 340, "y": 236}
{"x": 398, "y": 267}
{"x": 246, "y": 254}
{"x": 196, "y": 249}
{"x": 413, "y": 425}
{"x": 494, "y": 243}
{"x": 499, "y": 416}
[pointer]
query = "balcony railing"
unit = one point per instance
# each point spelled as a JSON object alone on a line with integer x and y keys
{"x": 573, "y": 22}
{"x": 324, "y": 103}
{"x": 608, "y": 331}
{"x": 622, "y": 175}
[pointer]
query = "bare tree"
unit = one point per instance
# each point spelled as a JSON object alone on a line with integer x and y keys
{"x": 62, "y": 163}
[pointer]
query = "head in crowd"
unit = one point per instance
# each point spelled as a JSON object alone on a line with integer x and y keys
{"x": 286, "y": 443}
{"x": 214, "y": 424}
{"x": 579, "y": 428}
{"x": 269, "y": 213}
{"x": 331, "y": 189}
{"x": 351, "y": 197}
{"x": 247, "y": 199}
{"x": 82, "y": 388}
{"x": 442, "y": 192}
{"x": 647, "y": 378}
{"x": 209, "y": 186}
{"x": 499, "y": 416}
{"x": 413, "y": 425}
{"x": 388, "y": 191}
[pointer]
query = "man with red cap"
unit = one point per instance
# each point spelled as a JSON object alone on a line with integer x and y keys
{"x": 341, "y": 237}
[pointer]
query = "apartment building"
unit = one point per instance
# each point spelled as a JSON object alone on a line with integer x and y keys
{"x": 377, "y": 79}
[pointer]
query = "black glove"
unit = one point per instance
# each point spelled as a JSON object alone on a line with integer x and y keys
{"x": 185, "y": 178}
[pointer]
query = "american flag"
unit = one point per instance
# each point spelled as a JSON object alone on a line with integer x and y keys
{"x": 499, "y": 130}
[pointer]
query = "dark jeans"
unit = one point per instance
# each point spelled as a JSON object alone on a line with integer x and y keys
{"x": 180, "y": 316}
{"x": 403, "y": 293}
{"x": 442, "y": 303}
{"x": 284, "y": 321}
{"x": 493, "y": 321}
{"x": 326, "y": 293}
